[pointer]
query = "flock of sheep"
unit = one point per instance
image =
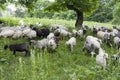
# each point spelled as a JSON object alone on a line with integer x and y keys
{"x": 51, "y": 37}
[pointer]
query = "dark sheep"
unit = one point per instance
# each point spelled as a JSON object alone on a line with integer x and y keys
{"x": 18, "y": 47}
{"x": 44, "y": 32}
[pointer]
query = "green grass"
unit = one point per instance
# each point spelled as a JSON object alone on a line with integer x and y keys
{"x": 62, "y": 65}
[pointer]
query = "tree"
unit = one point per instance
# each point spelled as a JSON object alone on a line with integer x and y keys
{"x": 104, "y": 12}
{"x": 79, "y": 6}
{"x": 27, "y": 3}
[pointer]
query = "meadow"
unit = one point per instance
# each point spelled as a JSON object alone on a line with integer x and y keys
{"x": 61, "y": 65}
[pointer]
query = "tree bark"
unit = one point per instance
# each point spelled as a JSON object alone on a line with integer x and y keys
{"x": 79, "y": 13}
{"x": 79, "y": 20}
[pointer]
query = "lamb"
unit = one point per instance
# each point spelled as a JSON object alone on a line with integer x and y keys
{"x": 71, "y": 43}
{"x": 116, "y": 40}
{"x": 21, "y": 47}
{"x": 101, "y": 58}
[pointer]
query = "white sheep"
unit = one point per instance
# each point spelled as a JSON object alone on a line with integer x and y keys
{"x": 63, "y": 33}
{"x": 6, "y": 33}
{"x": 80, "y": 33}
{"x": 54, "y": 27}
{"x": 41, "y": 44}
{"x": 116, "y": 40}
{"x": 71, "y": 43}
{"x": 52, "y": 45}
{"x": 100, "y": 34}
{"x": 31, "y": 34}
{"x": 91, "y": 44}
{"x": 101, "y": 58}
{"x": 17, "y": 34}
{"x": 50, "y": 36}
{"x": 74, "y": 32}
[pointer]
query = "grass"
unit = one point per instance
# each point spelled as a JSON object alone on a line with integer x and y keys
{"x": 62, "y": 65}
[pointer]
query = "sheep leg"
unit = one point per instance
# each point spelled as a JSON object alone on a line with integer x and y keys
{"x": 27, "y": 53}
{"x": 14, "y": 52}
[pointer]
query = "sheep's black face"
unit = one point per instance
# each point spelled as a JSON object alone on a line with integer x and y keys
{"x": 5, "y": 47}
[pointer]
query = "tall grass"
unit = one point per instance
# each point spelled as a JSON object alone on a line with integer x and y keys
{"x": 61, "y": 65}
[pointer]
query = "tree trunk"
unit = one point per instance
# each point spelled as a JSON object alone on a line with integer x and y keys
{"x": 79, "y": 20}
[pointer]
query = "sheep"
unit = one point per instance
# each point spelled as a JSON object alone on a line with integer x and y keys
{"x": 51, "y": 45}
{"x": 95, "y": 29}
{"x": 44, "y": 32}
{"x": 62, "y": 33}
{"x": 17, "y": 34}
{"x": 101, "y": 58}
{"x": 21, "y": 47}
{"x": 50, "y": 36}
{"x": 74, "y": 32}
{"x": 115, "y": 30}
{"x": 54, "y": 27}
{"x": 71, "y": 43}
{"x": 116, "y": 40}
{"x": 81, "y": 33}
{"x": 104, "y": 36}
{"x": 91, "y": 44}
{"x": 31, "y": 34}
{"x": 115, "y": 58}
{"x": 6, "y": 33}
{"x": 100, "y": 34}
{"x": 41, "y": 44}
{"x": 89, "y": 47}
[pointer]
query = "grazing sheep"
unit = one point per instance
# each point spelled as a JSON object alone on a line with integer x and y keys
{"x": 41, "y": 44}
{"x": 71, "y": 43}
{"x": 62, "y": 33}
{"x": 81, "y": 33}
{"x": 31, "y": 34}
{"x": 95, "y": 29}
{"x": 54, "y": 27}
{"x": 41, "y": 32}
{"x": 74, "y": 32}
{"x": 104, "y": 36}
{"x": 52, "y": 45}
{"x": 115, "y": 58}
{"x": 50, "y": 36}
{"x": 116, "y": 40}
{"x": 91, "y": 44}
{"x": 17, "y": 34}
{"x": 18, "y": 47}
{"x": 6, "y": 33}
{"x": 101, "y": 58}
{"x": 89, "y": 47}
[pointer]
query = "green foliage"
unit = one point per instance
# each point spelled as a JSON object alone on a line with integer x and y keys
{"x": 116, "y": 14}
{"x": 104, "y": 12}
{"x": 82, "y": 5}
